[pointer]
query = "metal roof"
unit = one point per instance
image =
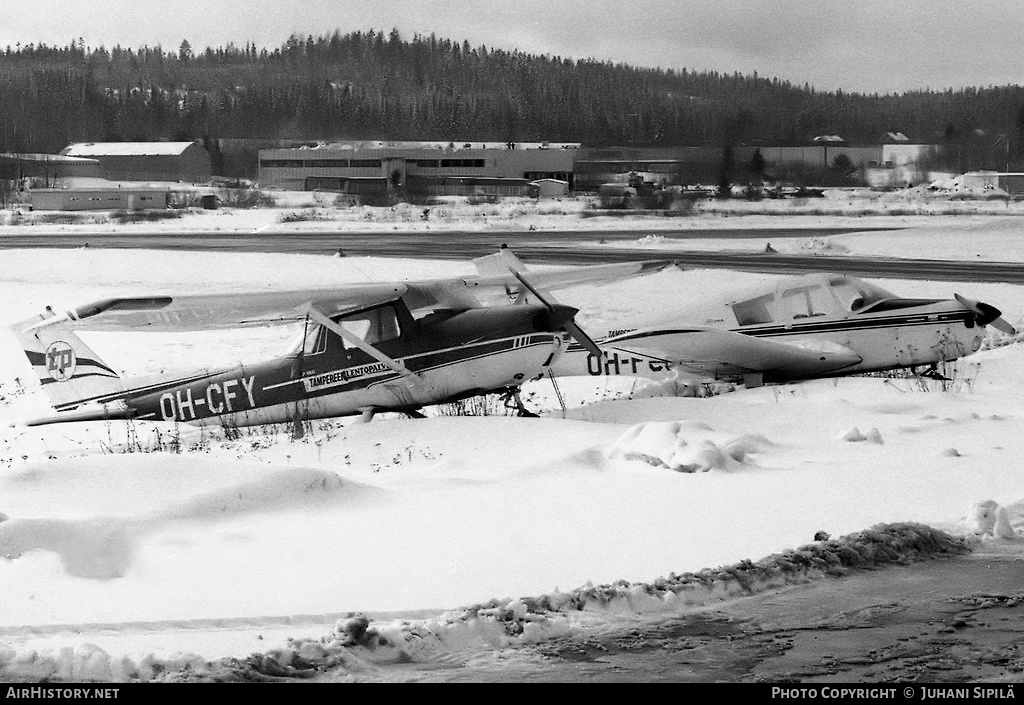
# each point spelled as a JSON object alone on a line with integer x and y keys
{"x": 126, "y": 149}
{"x": 58, "y": 158}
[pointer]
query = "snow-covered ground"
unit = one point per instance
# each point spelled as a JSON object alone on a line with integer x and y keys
{"x": 944, "y": 223}
{"x": 131, "y": 550}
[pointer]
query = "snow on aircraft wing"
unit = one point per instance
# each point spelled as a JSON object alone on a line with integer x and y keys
{"x": 215, "y": 311}
{"x": 722, "y": 351}
{"x": 496, "y": 284}
{"x": 493, "y": 286}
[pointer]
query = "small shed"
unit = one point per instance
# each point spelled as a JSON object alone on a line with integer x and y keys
{"x": 1012, "y": 183}
{"x": 981, "y": 179}
{"x": 548, "y": 188}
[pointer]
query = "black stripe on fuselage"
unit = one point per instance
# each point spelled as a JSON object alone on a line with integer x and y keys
{"x": 132, "y": 392}
{"x": 805, "y": 328}
{"x": 277, "y": 388}
{"x": 431, "y": 361}
{"x": 849, "y": 324}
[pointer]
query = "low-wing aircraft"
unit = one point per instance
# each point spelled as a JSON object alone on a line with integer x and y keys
{"x": 364, "y": 348}
{"x": 817, "y": 325}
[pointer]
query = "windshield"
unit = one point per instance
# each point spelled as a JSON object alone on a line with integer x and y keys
{"x": 309, "y": 341}
{"x": 804, "y": 302}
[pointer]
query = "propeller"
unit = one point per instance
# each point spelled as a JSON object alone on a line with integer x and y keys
{"x": 987, "y": 315}
{"x": 562, "y": 317}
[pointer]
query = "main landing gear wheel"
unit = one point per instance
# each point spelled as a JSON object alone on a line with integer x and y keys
{"x": 931, "y": 372}
{"x": 512, "y": 399}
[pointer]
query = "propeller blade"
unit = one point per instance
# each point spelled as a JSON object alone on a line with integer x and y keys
{"x": 569, "y": 326}
{"x": 1001, "y": 325}
{"x": 529, "y": 287}
{"x": 987, "y": 314}
{"x": 583, "y": 339}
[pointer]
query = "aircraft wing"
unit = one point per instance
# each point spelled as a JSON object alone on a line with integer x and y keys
{"x": 494, "y": 284}
{"x": 216, "y": 311}
{"x": 714, "y": 350}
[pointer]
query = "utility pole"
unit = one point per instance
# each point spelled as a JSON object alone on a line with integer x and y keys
{"x": 1006, "y": 141}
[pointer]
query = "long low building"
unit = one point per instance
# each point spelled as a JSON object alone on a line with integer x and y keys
{"x": 111, "y": 198}
{"x": 417, "y": 167}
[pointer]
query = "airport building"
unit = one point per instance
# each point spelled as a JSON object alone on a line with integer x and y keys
{"x": 882, "y": 165}
{"x": 110, "y": 198}
{"x": 146, "y": 161}
{"x": 508, "y": 169}
{"x": 655, "y": 165}
{"x": 46, "y": 167}
{"x": 428, "y": 168}
{"x": 369, "y": 168}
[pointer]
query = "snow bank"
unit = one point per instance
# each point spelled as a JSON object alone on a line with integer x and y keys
{"x": 686, "y": 446}
{"x": 102, "y": 547}
{"x": 989, "y": 520}
{"x": 357, "y": 643}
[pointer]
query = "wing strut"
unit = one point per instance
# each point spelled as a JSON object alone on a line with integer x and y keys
{"x": 350, "y": 337}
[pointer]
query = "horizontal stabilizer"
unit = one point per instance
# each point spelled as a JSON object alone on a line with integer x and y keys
{"x": 91, "y": 412}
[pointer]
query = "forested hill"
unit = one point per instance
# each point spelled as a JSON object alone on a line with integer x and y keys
{"x": 377, "y": 85}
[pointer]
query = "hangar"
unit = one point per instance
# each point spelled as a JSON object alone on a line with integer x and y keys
{"x": 48, "y": 167}
{"x": 22, "y": 170}
{"x": 146, "y": 161}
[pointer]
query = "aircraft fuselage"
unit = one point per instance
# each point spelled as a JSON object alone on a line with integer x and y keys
{"x": 928, "y": 333}
{"x": 453, "y": 356}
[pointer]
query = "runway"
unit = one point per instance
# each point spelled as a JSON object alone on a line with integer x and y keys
{"x": 548, "y": 247}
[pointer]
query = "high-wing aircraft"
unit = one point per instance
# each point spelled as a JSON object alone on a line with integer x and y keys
{"x": 363, "y": 347}
{"x": 818, "y": 325}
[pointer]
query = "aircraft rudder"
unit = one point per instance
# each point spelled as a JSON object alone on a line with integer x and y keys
{"x": 70, "y": 372}
{"x": 499, "y": 262}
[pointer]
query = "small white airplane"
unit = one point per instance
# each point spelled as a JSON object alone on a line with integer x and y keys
{"x": 363, "y": 348}
{"x": 817, "y": 325}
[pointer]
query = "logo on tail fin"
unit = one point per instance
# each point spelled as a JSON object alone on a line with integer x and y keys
{"x": 60, "y": 361}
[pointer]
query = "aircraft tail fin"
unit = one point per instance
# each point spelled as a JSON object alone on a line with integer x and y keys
{"x": 499, "y": 263}
{"x": 70, "y": 372}
{"x": 502, "y": 263}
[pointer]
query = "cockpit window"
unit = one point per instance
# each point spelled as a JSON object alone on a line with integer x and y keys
{"x": 856, "y": 296}
{"x": 753, "y": 311}
{"x": 375, "y": 325}
{"x": 311, "y": 341}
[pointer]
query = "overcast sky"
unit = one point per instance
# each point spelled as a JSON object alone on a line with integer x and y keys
{"x": 856, "y": 45}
